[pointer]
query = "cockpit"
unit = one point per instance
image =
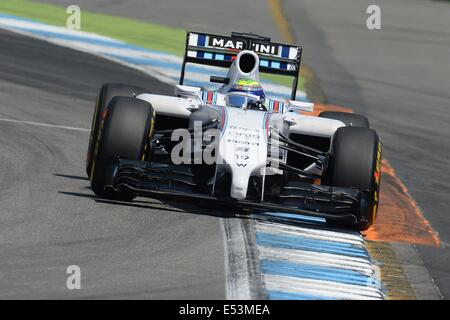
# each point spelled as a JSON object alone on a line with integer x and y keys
{"x": 245, "y": 101}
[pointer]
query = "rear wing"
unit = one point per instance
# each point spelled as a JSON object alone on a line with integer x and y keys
{"x": 221, "y": 51}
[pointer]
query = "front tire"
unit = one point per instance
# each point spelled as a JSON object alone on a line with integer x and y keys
{"x": 125, "y": 131}
{"x": 355, "y": 162}
{"x": 105, "y": 95}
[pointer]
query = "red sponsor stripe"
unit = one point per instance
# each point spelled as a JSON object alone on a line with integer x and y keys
{"x": 275, "y": 106}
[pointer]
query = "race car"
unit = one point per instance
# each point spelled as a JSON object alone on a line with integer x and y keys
{"x": 234, "y": 145}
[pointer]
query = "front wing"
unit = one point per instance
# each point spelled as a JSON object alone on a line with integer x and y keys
{"x": 176, "y": 182}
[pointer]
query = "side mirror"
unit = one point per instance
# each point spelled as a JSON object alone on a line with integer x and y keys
{"x": 216, "y": 79}
{"x": 299, "y": 106}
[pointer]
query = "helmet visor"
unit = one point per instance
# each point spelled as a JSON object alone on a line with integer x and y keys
{"x": 240, "y": 100}
{"x": 235, "y": 100}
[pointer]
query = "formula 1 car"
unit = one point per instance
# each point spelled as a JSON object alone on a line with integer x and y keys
{"x": 234, "y": 145}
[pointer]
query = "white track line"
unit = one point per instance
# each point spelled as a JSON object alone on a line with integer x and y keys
{"x": 32, "y": 123}
{"x": 318, "y": 234}
{"x": 317, "y": 258}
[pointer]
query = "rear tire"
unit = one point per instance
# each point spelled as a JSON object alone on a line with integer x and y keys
{"x": 355, "y": 162}
{"x": 125, "y": 131}
{"x": 349, "y": 119}
{"x": 106, "y": 93}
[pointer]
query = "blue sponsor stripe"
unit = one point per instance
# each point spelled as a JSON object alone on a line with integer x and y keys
{"x": 301, "y": 243}
{"x": 201, "y": 40}
{"x": 263, "y": 63}
{"x": 280, "y": 295}
{"x": 275, "y": 65}
{"x": 285, "y": 52}
{"x": 226, "y": 119}
{"x": 313, "y": 272}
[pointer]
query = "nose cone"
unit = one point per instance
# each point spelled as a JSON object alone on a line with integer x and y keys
{"x": 243, "y": 148}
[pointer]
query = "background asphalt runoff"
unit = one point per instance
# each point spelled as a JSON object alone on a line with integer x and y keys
{"x": 399, "y": 77}
{"x": 49, "y": 218}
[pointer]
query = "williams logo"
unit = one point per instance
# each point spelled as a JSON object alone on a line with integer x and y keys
{"x": 228, "y": 43}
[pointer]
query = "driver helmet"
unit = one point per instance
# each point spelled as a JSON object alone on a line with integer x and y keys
{"x": 245, "y": 93}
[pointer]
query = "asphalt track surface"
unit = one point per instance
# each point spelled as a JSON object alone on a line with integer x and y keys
{"x": 49, "y": 218}
{"x": 397, "y": 76}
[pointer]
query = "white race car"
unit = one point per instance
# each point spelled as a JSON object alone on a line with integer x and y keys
{"x": 234, "y": 145}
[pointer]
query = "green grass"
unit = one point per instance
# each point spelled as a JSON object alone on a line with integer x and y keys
{"x": 143, "y": 34}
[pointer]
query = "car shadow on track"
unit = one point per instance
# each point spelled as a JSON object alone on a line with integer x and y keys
{"x": 206, "y": 209}
{"x": 71, "y": 176}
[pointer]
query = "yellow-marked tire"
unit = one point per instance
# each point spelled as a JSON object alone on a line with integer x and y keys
{"x": 125, "y": 131}
{"x": 355, "y": 162}
{"x": 106, "y": 93}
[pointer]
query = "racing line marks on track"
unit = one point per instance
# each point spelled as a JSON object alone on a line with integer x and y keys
{"x": 236, "y": 260}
